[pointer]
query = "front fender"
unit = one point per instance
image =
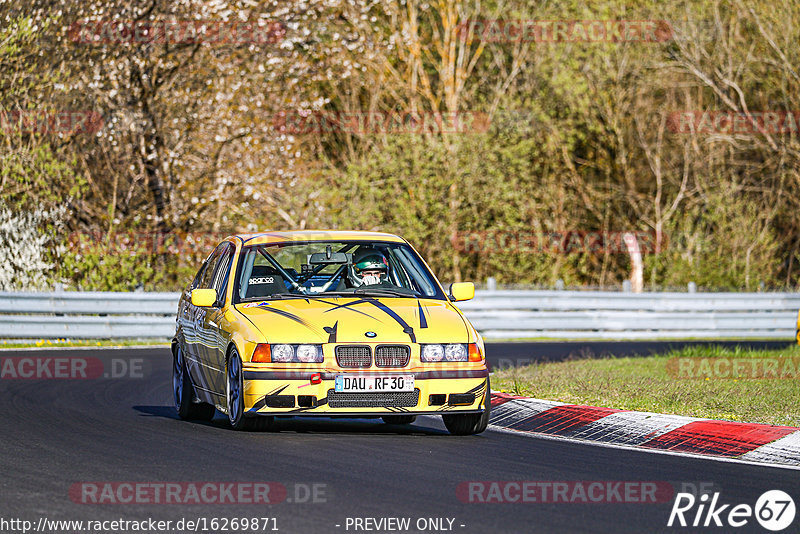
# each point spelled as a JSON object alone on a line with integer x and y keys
{"x": 244, "y": 335}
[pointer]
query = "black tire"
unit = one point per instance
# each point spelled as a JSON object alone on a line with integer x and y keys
{"x": 398, "y": 419}
{"x": 470, "y": 423}
{"x": 182, "y": 391}
{"x": 234, "y": 396}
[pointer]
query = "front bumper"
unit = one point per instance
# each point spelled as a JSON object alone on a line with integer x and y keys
{"x": 287, "y": 392}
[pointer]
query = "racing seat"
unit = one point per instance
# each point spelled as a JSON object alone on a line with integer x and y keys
{"x": 264, "y": 281}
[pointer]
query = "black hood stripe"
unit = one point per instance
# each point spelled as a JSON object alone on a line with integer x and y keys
{"x": 391, "y": 313}
{"x": 331, "y": 331}
{"x": 284, "y": 313}
{"x": 293, "y": 317}
{"x": 347, "y": 307}
{"x": 407, "y": 329}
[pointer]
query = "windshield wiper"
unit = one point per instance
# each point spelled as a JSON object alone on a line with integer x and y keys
{"x": 336, "y": 294}
{"x": 377, "y": 292}
{"x": 383, "y": 292}
{"x": 276, "y": 296}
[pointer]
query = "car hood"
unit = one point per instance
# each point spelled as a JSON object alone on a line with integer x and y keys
{"x": 347, "y": 320}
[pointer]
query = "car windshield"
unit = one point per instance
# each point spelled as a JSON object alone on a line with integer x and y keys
{"x": 332, "y": 268}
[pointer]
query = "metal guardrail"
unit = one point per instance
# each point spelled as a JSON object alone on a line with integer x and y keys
{"x": 88, "y": 315}
{"x": 617, "y": 315}
{"x": 497, "y": 314}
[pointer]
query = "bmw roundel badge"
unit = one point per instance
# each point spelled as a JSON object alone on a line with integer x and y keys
{"x": 370, "y": 334}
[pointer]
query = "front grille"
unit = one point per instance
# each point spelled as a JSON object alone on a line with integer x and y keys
{"x": 353, "y": 356}
{"x": 392, "y": 355}
{"x": 373, "y": 400}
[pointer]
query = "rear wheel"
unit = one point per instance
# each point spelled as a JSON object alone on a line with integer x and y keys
{"x": 182, "y": 391}
{"x": 398, "y": 419}
{"x": 235, "y": 396}
{"x": 469, "y": 423}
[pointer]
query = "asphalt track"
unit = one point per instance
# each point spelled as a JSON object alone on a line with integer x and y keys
{"x": 56, "y": 433}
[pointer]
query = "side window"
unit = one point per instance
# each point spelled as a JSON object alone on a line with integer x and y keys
{"x": 211, "y": 265}
{"x": 198, "y": 276}
{"x": 223, "y": 272}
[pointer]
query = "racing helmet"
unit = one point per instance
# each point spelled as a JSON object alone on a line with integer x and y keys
{"x": 368, "y": 259}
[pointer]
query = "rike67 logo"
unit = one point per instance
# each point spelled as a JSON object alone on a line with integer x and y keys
{"x": 774, "y": 510}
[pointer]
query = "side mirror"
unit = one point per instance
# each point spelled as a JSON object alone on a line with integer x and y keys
{"x": 462, "y": 291}
{"x": 204, "y": 297}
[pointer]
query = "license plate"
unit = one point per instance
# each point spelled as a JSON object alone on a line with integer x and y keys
{"x": 373, "y": 383}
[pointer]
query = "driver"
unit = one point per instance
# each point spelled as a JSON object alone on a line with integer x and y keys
{"x": 370, "y": 268}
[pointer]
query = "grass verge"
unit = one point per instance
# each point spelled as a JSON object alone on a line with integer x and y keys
{"x": 662, "y": 384}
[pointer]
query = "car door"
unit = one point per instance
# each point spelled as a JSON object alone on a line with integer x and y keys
{"x": 186, "y": 317}
{"x": 197, "y": 362}
{"x": 215, "y": 324}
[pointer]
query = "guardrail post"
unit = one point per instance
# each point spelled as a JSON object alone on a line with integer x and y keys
{"x": 626, "y": 286}
{"x": 491, "y": 284}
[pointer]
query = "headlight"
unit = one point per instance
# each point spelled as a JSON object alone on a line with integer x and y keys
{"x": 455, "y": 352}
{"x": 309, "y": 353}
{"x": 296, "y": 353}
{"x": 452, "y": 352}
{"x": 432, "y": 353}
{"x": 282, "y": 353}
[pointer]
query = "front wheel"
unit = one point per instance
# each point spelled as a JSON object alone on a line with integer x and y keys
{"x": 235, "y": 396}
{"x": 469, "y": 423}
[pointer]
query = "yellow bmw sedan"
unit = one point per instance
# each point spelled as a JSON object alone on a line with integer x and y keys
{"x": 326, "y": 323}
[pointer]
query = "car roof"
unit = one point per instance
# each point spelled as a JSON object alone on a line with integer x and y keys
{"x": 316, "y": 235}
